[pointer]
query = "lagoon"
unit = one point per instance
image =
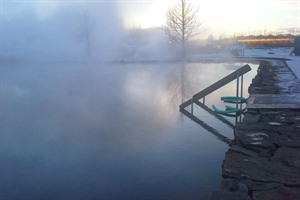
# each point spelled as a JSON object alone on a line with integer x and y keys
{"x": 110, "y": 131}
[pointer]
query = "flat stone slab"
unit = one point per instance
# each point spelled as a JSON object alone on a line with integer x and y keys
{"x": 274, "y": 101}
{"x": 239, "y": 166}
{"x": 289, "y": 156}
{"x": 279, "y": 193}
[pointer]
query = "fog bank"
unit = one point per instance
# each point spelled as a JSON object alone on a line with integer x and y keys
{"x": 75, "y": 32}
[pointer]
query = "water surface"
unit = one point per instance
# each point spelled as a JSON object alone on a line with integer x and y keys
{"x": 78, "y": 131}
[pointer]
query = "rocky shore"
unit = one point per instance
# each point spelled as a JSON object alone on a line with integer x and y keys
{"x": 264, "y": 162}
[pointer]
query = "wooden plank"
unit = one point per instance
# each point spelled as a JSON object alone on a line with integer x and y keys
{"x": 274, "y": 101}
{"x": 227, "y": 79}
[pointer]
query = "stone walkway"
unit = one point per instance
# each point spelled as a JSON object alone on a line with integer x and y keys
{"x": 264, "y": 163}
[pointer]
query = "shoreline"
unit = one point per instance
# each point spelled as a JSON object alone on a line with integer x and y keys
{"x": 264, "y": 162}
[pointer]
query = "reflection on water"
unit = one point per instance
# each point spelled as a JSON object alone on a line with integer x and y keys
{"x": 207, "y": 127}
{"x": 237, "y": 75}
{"x": 108, "y": 131}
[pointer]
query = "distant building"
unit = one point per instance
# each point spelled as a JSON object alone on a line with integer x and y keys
{"x": 297, "y": 46}
{"x": 267, "y": 41}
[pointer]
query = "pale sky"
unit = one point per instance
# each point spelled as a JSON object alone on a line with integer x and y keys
{"x": 219, "y": 16}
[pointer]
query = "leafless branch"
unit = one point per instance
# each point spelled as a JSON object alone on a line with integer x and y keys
{"x": 182, "y": 23}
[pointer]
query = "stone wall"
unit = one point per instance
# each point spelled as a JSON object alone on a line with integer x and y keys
{"x": 264, "y": 162}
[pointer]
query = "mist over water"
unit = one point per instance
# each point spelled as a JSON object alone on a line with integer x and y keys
{"x": 108, "y": 131}
{"x": 74, "y": 31}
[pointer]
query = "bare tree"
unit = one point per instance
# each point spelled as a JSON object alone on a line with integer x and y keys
{"x": 87, "y": 35}
{"x": 182, "y": 23}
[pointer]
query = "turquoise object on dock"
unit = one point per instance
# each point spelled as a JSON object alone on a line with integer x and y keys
{"x": 230, "y": 111}
{"x": 234, "y": 100}
{"x": 231, "y": 108}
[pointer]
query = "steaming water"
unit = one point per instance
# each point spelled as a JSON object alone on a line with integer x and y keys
{"x": 109, "y": 131}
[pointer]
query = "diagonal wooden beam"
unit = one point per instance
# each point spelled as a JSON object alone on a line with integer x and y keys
{"x": 227, "y": 79}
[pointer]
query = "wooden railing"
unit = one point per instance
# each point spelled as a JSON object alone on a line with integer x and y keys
{"x": 233, "y": 76}
{"x": 201, "y": 95}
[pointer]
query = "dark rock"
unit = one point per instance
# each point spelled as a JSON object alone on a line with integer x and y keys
{"x": 231, "y": 184}
{"x": 296, "y": 126}
{"x": 283, "y": 117}
{"x": 251, "y": 118}
{"x": 261, "y": 186}
{"x": 265, "y": 162}
{"x": 287, "y": 141}
{"x": 257, "y": 127}
{"x": 289, "y": 156}
{"x": 270, "y": 112}
{"x": 244, "y": 151}
{"x": 262, "y": 142}
{"x": 280, "y": 193}
{"x": 223, "y": 195}
{"x": 274, "y": 78}
{"x": 270, "y": 135}
{"x": 296, "y": 118}
{"x": 262, "y": 169}
{"x": 242, "y": 188}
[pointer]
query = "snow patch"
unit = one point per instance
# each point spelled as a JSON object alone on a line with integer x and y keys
{"x": 274, "y": 123}
{"x": 256, "y": 143}
{"x": 257, "y": 134}
{"x": 257, "y": 138}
